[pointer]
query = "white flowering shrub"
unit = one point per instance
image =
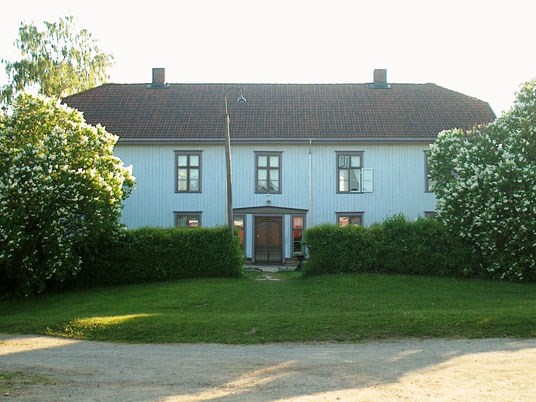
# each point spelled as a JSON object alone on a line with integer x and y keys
{"x": 485, "y": 184}
{"x": 61, "y": 188}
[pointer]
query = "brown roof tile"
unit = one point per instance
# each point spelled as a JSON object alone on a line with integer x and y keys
{"x": 279, "y": 111}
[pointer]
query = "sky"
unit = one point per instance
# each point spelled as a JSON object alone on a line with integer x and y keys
{"x": 482, "y": 48}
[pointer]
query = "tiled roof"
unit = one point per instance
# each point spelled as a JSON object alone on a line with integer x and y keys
{"x": 279, "y": 111}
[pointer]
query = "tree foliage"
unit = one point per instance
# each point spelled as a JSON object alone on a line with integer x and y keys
{"x": 57, "y": 61}
{"x": 61, "y": 188}
{"x": 485, "y": 183}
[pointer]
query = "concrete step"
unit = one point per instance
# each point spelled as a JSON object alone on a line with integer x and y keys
{"x": 269, "y": 268}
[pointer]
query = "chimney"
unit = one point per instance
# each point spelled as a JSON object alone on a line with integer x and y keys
{"x": 159, "y": 78}
{"x": 380, "y": 79}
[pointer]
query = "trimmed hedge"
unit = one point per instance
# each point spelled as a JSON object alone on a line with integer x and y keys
{"x": 334, "y": 249}
{"x": 396, "y": 246}
{"x": 159, "y": 254}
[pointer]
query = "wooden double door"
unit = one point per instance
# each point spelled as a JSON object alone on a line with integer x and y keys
{"x": 268, "y": 239}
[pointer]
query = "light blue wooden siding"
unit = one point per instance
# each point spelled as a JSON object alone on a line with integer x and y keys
{"x": 398, "y": 183}
{"x": 154, "y": 199}
{"x": 294, "y": 184}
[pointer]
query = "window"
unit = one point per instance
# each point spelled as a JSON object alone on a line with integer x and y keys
{"x": 188, "y": 171}
{"x": 350, "y": 218}
{"x": 351, "y": 176}
{"x": 297, "y": 234}
{"x": 239, "y": 223}
{"x": 268, "y": 172}
{"x": 188, "y": 219}
{"x": 430, "y": 214}
{"x": 428, "y": 182}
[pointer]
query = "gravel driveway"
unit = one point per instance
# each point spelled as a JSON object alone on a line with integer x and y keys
{"x": 38, "y": 368}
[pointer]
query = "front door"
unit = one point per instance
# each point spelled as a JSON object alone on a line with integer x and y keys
{"x": 268, "y": 239}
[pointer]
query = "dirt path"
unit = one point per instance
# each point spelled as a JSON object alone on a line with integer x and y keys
{"x": 34, "y": 368}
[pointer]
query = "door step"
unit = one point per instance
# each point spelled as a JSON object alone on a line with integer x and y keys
{"x": 269, "y": 268}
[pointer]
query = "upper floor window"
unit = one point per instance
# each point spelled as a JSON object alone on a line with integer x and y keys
{"x": 268, "y": 172}
{"x": 188, "y": 219}
{"x": 351, "y": 176}
{"x": 428, "y": 182}
{"x": 188, "y": 165}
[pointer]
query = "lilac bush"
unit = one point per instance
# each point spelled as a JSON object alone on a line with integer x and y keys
{"x": 61, "y": 188}
{"x": 485, "y": 184}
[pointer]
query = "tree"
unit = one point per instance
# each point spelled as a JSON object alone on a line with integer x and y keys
{"x": 485, "y": 184}
{"x": 58, "y": 61}
{"x": 61, "y": 190}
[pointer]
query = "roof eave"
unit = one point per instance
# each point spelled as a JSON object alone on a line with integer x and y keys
{"x": 253, "y": 140}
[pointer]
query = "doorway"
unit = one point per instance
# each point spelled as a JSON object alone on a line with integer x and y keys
{"x": 268, "y": 239}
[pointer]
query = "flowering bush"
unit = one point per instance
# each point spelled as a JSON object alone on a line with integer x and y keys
{"x": 485, "y": 184}
{"x": 61, "y": 188}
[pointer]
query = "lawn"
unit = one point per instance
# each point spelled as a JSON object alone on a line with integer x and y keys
{"x": 346, "y": 308}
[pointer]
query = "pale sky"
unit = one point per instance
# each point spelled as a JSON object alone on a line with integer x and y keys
{"x": 482, "y": 48}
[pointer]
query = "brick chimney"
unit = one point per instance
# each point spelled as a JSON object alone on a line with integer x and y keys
{"x": 380, "y": 79}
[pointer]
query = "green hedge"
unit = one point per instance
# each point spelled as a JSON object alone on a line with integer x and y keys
{"x": 396, "y": 246}
{"x": 334, "y": 249}
{"x": 158, "y": 254}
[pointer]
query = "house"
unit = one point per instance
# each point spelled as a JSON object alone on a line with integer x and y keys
{"x": 302, "y": 154}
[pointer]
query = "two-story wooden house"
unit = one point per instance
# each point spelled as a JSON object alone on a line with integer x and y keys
{"x": 302, "y": 154}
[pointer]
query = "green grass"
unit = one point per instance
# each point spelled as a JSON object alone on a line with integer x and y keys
{"x": 10, "y": 380}
{"x": 347, "y": 308}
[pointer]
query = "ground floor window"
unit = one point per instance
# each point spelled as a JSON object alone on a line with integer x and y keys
{"x": 297, "y": 234}
{"x": 239, "y": 223}
{"x": 350, "y": 218}
{"x": 430, "y": 214}
{"x": 188, "y": 219}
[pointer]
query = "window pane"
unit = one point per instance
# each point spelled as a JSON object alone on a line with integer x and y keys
{"x": 182, "y": 221}
{"x": 262, "y": 174}
{"x": 343, "y": 180}
{"x": 297, "y": 222}
{"x": 194, "y": 185}
{"x": 262, "y": 185}
{"x": 274, "y": 185}
{"x": 239, "y": 223}
{"x": 182, "y": 185}
{"x": 355, "y": 220}
{"x": 355, "y": 161}
{"x": 182, "y": 160}
{"x": 194, "y": 160}
{"x": 344, "y": 161}
{"x": 262, "y": 161}
{"x": 274, "y": 161}
{"x": 354, "y": 180}
{"x": 193, "y": 222}
{"x": 274, "y": 175}
{"x": 344, "y": 220}
{"x": 194, "y": 174}
{"x": 297, "y": 235}
{"x": 183, "y": 174}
